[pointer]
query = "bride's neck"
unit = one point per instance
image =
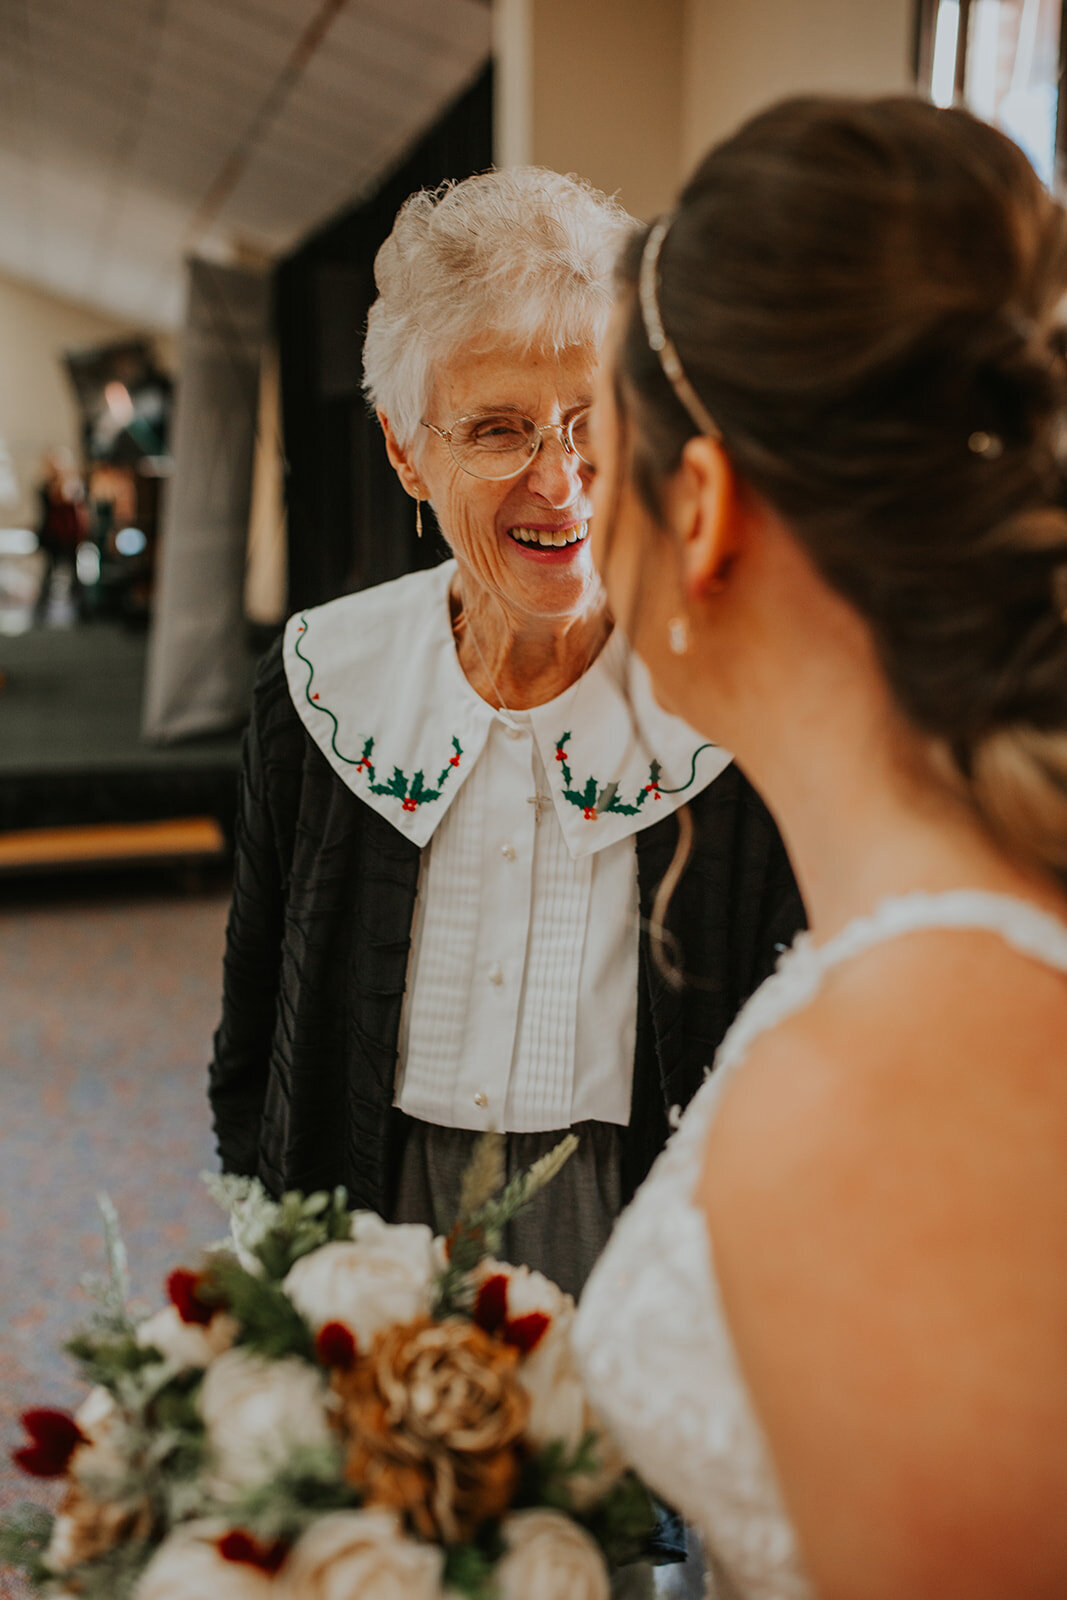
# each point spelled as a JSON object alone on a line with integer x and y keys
{"x": 861, "y": 810}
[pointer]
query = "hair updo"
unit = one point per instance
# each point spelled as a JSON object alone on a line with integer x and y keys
{"x": 868, "y": 297}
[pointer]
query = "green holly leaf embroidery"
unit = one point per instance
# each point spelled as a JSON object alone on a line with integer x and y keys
{"x": 596, "y": 800}
{"x": 410, "y": 794}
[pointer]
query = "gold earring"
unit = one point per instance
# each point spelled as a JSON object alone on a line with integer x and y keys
{"x": 678, "y": 635}
{"x": 418, "y": 517}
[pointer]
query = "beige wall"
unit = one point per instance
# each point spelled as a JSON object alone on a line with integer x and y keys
{"x": 37, "y": 408}
{"x": 630, "y": 93}
{"x": 593, "y": 86}
{"x": 741, "y": 54}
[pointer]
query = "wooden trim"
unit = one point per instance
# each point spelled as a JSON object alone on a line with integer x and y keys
{"x": 962, "y": 41}
{"x": 180, "y": 839}
{"x": 922, "y": 44}
{"x": 1059, "y": 165}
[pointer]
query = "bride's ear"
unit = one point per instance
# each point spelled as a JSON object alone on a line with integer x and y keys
{"x": 400, "y": 458}
{"x": 707, "y": 516}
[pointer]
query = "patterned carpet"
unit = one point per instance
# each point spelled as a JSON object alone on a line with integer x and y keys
{"x": 108, "y": 998}
{"x": 109, "y": 994}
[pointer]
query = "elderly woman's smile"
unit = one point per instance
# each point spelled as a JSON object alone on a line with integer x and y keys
{"x": 520, "y": 538}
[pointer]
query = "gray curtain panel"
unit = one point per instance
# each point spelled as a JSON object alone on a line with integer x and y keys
{"x": 197, "y": 678}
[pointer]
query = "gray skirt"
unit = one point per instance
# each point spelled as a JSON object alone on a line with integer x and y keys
{"x": 563, "y": 1229}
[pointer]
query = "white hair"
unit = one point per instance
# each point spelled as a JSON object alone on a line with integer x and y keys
{"x": 522, "y": 257}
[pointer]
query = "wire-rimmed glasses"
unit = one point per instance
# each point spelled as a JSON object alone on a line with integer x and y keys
{"x": 501, "y": 444}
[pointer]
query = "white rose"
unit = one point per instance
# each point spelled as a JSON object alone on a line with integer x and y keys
{"x": 549, "y": 1557}
{"x": 559, "y": 1408}
{"x": 187, "y": 1566}
{"x": 528, "y": 1290}
{"x": 187, "y": 1344}
{"x": 103, "y": 1422}
{"x": 258, "y": 1412}
{"x": 383, "y": 1276}
{"x": 548, "y": 1374}
{"x": 362, "y": 1553}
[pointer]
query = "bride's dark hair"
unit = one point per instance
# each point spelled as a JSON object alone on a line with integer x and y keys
{"x": 868, "y": 298}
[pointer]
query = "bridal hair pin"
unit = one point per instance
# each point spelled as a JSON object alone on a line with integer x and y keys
{"x": 656, "y": 334}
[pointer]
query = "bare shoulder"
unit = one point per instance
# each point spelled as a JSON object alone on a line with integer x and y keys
{"x": 884, "y": 1186}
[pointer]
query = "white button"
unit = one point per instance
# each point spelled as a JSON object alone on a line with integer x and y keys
{"x": 508, "y": 852}
{"x": 512, "y": 732}
{"x": 481, "y": 1099}
{"x": 496, "y": 975}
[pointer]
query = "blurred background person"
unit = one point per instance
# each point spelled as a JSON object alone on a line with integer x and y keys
{"x": 63, "y": 522}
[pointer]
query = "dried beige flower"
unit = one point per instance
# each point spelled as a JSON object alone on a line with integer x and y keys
{"x": 433, "y": 1419}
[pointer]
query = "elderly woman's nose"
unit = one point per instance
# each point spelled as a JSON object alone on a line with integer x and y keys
{"x": 556, "y": 472}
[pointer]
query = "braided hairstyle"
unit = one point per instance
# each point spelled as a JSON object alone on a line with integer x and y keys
{"x": 868, "y": 297}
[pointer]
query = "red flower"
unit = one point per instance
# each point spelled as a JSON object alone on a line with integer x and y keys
{"x": 491, "y": 1315}
{"x": 237, "y": 1545}
{"x": 561, "y": 754}
{"x": 525, "y": 1332}
{"x": 55, "y": 1436}
{"x": 185, "y": 1291}
{"x": 491, "y": 1306}
{"x": 589, "y": 813}
{"x": 410, "y": 804}
{"x": 335, "y": 1346}
{"x": 453, "y": 761}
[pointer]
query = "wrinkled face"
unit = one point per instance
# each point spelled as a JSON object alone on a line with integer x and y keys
{"x": 523, "y": 538}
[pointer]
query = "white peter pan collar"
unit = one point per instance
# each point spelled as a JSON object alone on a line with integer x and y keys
{"x": 376, "y": 681}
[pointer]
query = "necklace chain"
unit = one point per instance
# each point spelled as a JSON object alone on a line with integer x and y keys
{"x": 464, "y": 616}
{"x": 501, "y": 707}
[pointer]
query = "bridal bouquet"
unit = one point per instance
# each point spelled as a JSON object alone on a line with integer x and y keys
{"x": 331, "y": 1407}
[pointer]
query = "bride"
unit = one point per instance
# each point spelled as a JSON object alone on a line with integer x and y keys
{"x": 832, "y": 480}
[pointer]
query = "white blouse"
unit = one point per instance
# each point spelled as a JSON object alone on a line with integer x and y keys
{"x": 521, "y": 1002}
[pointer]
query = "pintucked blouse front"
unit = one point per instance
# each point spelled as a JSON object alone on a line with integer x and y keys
{"x": 520, "y": 1006}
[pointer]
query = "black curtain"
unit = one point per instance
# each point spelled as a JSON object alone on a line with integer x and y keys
{"x": 350, "y": 523}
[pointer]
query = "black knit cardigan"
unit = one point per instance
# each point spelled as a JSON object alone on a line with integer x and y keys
{"x": 302, "y": 1078}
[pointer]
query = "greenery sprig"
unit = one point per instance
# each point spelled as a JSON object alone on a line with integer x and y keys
{"x": 487, "y": 1204}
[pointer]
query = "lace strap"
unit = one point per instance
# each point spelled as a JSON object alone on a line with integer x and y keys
{"x": 1020, "y": 924}
{"x": 802, "y": 969}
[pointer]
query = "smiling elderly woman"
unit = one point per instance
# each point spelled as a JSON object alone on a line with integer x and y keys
{"x": 460, "y": 796}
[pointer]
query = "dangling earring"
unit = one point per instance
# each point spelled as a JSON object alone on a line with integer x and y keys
{"x": 418, "y": 517}
{"x": 678, "y": 635}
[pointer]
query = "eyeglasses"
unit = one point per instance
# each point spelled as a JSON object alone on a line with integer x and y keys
{"x": 501, "y": 444}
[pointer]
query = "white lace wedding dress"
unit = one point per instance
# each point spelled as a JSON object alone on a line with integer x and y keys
{"x": 651, "y": 1332}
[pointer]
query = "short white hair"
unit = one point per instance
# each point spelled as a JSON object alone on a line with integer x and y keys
{"x": 522, "y": 257}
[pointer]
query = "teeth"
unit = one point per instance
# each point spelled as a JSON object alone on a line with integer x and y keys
{"x": 550, "y": 539}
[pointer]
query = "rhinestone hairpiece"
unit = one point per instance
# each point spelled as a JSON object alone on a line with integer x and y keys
{"x": 656, "y": 334}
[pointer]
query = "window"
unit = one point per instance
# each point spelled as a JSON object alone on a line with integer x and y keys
{"x": 1002, "y": 60}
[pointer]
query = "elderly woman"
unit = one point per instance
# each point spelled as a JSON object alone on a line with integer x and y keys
{"x": 460, "y": 797}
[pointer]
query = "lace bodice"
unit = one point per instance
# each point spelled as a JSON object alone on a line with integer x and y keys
{"x": 651, "y": 1333}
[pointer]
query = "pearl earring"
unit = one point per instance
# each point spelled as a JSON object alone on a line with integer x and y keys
{"x": 678, "y": 635}
{"x": 418, "y": 517}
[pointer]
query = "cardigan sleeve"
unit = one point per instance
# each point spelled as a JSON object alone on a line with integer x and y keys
{"x": 265, "y": 817}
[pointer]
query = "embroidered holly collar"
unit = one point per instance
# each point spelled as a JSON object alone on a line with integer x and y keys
{"x": 376, "y": 681}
